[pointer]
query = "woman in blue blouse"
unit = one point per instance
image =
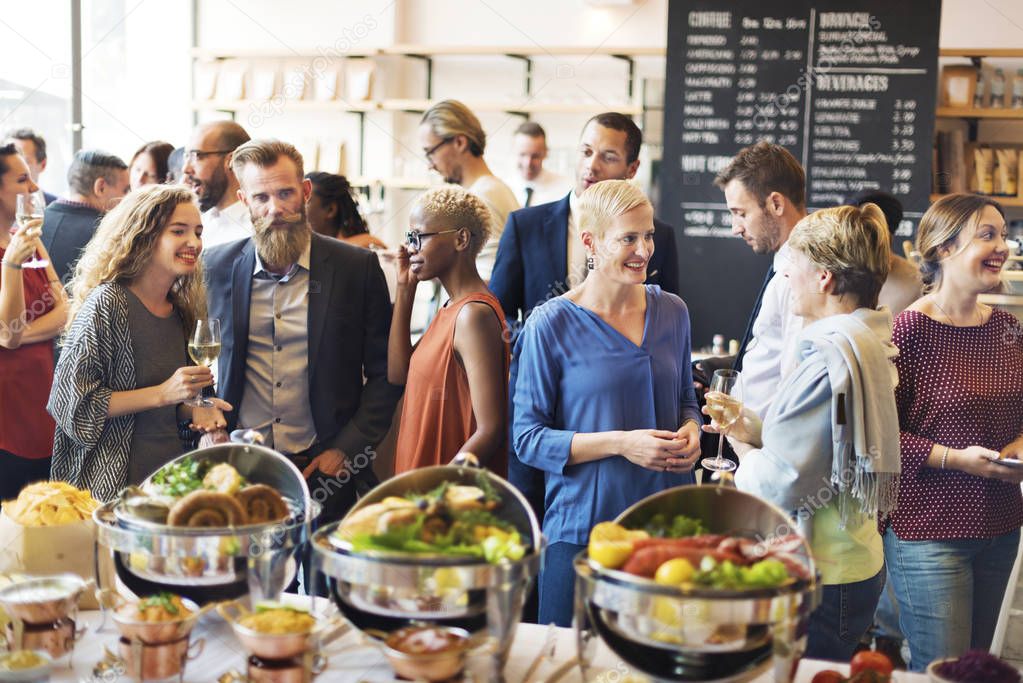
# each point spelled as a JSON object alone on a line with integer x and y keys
{"x": 603, "y": 386}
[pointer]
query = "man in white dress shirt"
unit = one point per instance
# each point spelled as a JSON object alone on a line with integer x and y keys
{"x": 207, "y": 171}
{"x": 453, "y": 142}
{"x": 765, "y": 190}
{"x": 533, "y": 183}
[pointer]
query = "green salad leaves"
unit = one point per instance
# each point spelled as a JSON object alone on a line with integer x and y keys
{"x": 679, "y": 526}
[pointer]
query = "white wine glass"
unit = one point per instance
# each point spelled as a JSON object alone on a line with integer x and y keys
{"x": 724, "y": 403}
{"x": 204, "y": 348}
{"x": 30, "y": 207}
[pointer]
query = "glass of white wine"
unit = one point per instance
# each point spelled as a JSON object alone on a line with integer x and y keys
{"x": 724, "y": 403}
{"x": 30, "y": 207}
{"x": 204, "y": 348}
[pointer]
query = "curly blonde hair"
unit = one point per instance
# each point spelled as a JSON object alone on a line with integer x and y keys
{"x": 457, "y": 208}
{"x": 123, "y": 245}
{"x": 853, "y": 244}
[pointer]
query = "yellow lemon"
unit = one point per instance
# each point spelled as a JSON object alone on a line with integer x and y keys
{"x": 667, "y": 611}
{"x": 675, "y": 572}
{"x": 611, "y": 544}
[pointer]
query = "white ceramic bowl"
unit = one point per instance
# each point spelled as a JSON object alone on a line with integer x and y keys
{"x": 31, "y": 675}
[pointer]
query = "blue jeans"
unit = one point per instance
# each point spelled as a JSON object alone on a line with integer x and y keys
{"x": 843, "y": 617}
{"x": 886, "y": 618}
{"x": 949, "y": 592}
{"x": 557, "y": 583}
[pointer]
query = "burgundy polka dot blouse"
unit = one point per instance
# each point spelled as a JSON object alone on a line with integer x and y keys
{"x": 958, "y": 387}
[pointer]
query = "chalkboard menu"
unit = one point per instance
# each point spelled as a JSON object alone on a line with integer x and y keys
{"x": 847, "y": 86}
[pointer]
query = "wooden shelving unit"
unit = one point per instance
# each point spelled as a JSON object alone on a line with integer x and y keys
{"x": 973, "y": 116}
{"x": 986, "y": 113}
{"x": 523, "y": 105}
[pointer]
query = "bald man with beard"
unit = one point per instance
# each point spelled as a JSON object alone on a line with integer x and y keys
{"x": 207, "y": 170}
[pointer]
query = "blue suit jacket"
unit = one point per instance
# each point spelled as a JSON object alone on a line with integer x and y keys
{"x": 349, "y": 320}
{"x": 532, "y": 259}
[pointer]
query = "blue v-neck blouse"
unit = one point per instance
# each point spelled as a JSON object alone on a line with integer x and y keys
{"x": 578, "y": 374}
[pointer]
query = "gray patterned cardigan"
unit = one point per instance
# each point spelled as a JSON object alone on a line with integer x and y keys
{"x": 90, "y": 450}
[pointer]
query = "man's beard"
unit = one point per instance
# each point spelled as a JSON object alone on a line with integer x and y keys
{"x": 281, "y": 240}
{"x": 769, "y": 235}
{"x": 211, "y": 191}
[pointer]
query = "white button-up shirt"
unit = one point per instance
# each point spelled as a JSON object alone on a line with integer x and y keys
{"x": 771, "y": 353}
{"x": 576, "y": 251}
{"x": 227, "y": 225}
{"x": 275, "y": 401}
{"x": 547, "y": 187}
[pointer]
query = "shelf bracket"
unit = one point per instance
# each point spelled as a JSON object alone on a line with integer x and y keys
{"x": 428, "y": 61}
{"x": 628, "y": 59}
{"x": 362, "y": 143}
{"x": 529, "y": 71}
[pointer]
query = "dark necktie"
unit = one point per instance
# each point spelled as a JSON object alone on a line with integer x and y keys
{"x": 529, "y": 196}
{"x": 748, "y": 335}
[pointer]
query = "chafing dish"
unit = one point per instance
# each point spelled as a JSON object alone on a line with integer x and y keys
{"x": 383, "y": 591}
{"x": 209, "y": 564}
{"x": 699, "y": 634}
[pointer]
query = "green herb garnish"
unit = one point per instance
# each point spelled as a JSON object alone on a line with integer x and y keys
{"x": 679, "y": 526}
{"x": 164, "y": 600}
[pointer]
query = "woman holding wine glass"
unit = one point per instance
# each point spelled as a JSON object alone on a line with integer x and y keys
{"x": 828, "y": 448}
{"x": 33, "y": 309}
{"x": 124, "y": 388}
{"x": 604, "y": 401}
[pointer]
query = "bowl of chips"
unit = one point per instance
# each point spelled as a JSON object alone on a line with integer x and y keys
{"x": 50, "y": 503}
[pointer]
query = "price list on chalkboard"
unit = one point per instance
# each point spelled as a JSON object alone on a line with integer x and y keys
{"x": 847, "y": 86}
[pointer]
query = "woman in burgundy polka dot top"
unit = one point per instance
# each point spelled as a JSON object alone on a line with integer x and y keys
{"x": 951, "y": 542}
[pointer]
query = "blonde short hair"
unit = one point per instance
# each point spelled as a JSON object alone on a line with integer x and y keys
{"x": 265, "y": 153}
{"x": 606, "y": 200}
{"x": 853, "y": 244}
{"x": 450, "y": 118}
{"x": 457, "y": 208}
{"x": 941, "y": 226}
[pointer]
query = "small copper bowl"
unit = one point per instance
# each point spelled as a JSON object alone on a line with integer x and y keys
{"x": 155, "y": 632}
{"x": 430, "y": 666}
{"x": 43, "y": 599}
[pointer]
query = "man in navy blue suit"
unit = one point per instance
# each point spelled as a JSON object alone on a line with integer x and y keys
{"x": 541, "y": 255}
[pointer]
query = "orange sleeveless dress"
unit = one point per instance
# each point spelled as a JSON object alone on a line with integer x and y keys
{"x": 437, "y": 418}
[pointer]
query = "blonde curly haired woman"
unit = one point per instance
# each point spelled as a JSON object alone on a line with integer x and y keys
{"x": 123, "y": 372}
{"x": 463, "y": 357}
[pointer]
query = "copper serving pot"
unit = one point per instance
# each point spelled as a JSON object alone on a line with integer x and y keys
{"x": 43, "y": 599}
{"x": 55, "y": 639}
{"x": 428, "y": 666}
{"x": 156, "y": 632}
{"x": 280, "y": 646}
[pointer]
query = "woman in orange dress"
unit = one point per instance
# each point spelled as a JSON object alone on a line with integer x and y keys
{"x": 456, "y": 376}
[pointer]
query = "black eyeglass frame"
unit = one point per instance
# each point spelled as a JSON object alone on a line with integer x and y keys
{"x": 433, "y": 150}
{"x": 415, "y": 239}
{"x": 198, "y": 154}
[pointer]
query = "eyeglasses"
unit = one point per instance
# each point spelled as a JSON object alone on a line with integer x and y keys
{"x": 194, "y": 155}
{"x": 430, "y": 152}
{"x": 415, "y": 239}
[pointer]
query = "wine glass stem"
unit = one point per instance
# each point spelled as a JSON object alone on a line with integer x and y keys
{"x": 721, "y": 446}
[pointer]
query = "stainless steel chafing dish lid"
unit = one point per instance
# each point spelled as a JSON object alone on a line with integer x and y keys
{"x": 258, "y": 464}
{"x": 514, "y": 508}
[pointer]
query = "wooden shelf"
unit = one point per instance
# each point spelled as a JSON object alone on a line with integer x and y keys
{"x": 405, "y": 50}
{"x": 396, "y": 183}
{"x": 1004, "y": 201}
{"x": 417, "y": 105}
{"x": 985, "y": 113}
{"x": 293, "y": 105}
{"x": 522, "y": 50}
{"x": 978, "y": 52}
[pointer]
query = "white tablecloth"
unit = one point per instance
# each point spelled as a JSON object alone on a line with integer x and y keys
{"x": 353, "y": 662}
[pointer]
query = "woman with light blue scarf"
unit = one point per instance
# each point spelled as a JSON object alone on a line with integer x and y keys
{"x": 828, "y": 448}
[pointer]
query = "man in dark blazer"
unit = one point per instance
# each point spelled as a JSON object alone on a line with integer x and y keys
{"x": 540, "y": 245}
{"x": 304, "y": 318}
{"x": 541, "y": 256}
